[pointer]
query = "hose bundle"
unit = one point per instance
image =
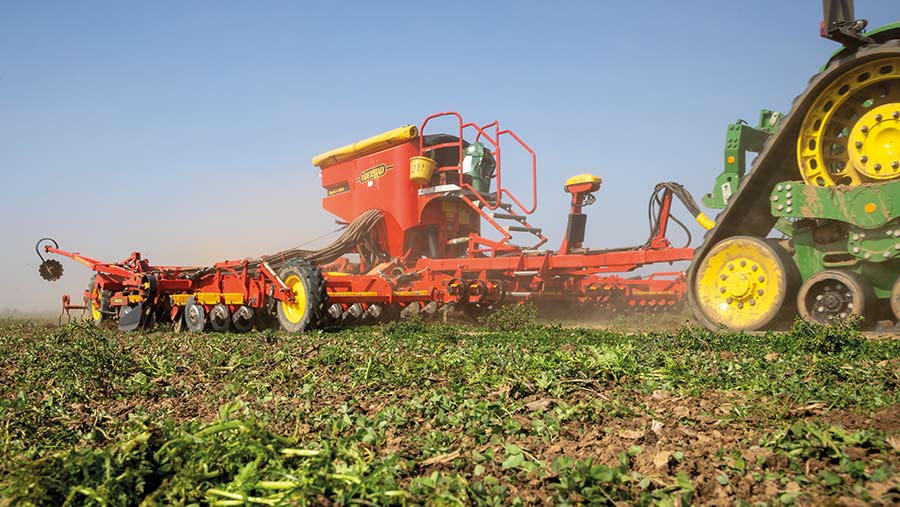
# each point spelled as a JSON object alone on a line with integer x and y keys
{"x": 686, "y": 199}
{"x": 653, "y": 215}
{"x": 362, "y": 234}
{"x": 359, "y": 232}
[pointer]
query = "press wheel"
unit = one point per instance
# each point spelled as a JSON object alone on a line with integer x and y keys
{"x": 744, "y": 283}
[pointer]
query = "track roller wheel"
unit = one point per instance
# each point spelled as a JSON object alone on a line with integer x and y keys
{"x": 895, "y": 300}
{"x": 744, "y": 283}
{"x": 459, "y": 289}
{"x": 194, "y": 316}
{"x": 242, "y": 319}
{"x": 310, "y": 297}
{"x": 220, "y": 318}
{"x": 835, "y": 294}
{"x": 98, "y": 304}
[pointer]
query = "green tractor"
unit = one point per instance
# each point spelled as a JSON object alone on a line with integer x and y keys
{"x": 827, "y": 181}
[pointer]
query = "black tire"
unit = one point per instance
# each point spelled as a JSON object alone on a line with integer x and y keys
{"x": 307, "y": 281}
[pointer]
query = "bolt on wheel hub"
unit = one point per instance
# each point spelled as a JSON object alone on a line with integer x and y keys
{"x": 875, "y": 141}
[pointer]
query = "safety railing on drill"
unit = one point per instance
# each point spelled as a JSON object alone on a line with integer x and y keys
{"x": 495, "y": 143}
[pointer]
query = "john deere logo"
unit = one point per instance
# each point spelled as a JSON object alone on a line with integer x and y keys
{"x": 373, "y": 173}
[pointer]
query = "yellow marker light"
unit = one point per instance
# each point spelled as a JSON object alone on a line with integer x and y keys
{"x": 870, "y": 207}
{"x": 730, "y": 160}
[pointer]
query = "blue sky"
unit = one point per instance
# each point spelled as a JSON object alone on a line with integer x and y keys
{"x": 185, "y": 129}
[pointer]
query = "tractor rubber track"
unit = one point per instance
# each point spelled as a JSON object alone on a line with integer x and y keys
{"x": 748, "y": 210}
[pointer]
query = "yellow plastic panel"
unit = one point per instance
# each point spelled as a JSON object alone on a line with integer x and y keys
{"x": 374, "y": 143}
{"x": 233, "y": 298}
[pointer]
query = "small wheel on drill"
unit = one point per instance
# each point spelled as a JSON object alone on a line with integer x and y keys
{"x": 194, "y": 316}
{"x": 833, "y": 295}
{"x": 242, "y": 319}
{"x": 310, "y": 298}
{"x": 98, "y": 303}
{"x": 220, "y": 318}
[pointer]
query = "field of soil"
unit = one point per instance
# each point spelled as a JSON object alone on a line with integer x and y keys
{"x": 508, "y": 413}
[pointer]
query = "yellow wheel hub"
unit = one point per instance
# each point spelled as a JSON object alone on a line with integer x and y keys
{"x": 832, "y": 143}
{"x": 741, "y": 284}
{"x": 95, "y": 304}
{"x": 875, "y": 143}
{"x": 295, "y": 311}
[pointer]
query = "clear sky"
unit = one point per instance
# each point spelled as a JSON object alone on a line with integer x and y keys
{"x": 185, "y": 129}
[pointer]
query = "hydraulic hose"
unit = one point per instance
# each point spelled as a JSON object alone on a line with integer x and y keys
{"x": 360, "y": 231}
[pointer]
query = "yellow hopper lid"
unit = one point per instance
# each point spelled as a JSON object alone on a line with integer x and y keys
{"x": 374, "y": 143}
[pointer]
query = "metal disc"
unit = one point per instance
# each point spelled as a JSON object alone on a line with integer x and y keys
{"x": 242, "y": 319}
{"x": 150, "y": 318}
{"x": 130, "y": 317}
{"x": 220, "y": 318}
{"x": 194, "y": 316}
{"x": 50, "y": 270}
{"x": 411, "y": 310}
{"x": 334, "y": 311}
